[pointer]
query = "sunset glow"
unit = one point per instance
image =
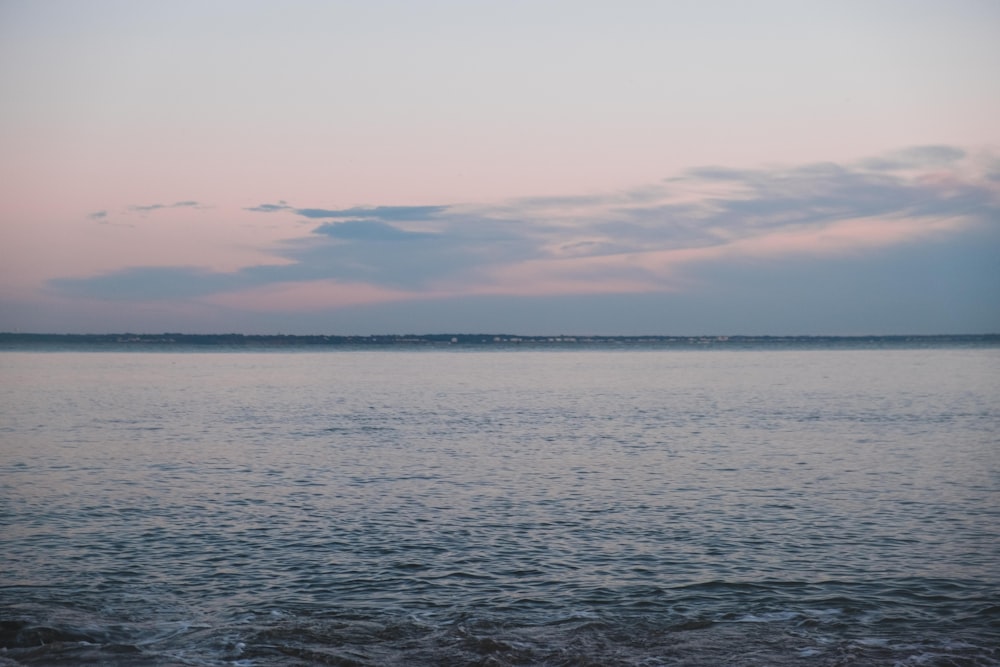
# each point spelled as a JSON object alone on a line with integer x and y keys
{"x": 335, "y": 167}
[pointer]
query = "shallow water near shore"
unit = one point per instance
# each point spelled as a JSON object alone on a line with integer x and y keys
{"x": 501, "y": 507}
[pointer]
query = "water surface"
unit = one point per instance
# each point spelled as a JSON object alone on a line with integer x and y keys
{"x": 425, "y": 507}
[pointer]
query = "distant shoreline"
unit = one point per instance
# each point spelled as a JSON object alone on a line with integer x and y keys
{"x": 9, "y": 340}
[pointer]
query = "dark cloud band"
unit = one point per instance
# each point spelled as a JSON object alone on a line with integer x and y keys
{"x": 413, "y": 247}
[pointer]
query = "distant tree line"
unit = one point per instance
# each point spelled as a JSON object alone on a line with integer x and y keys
{"x": 236, "y": 340}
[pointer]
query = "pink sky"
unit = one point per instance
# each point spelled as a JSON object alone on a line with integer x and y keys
{"x": 571, "y": 148}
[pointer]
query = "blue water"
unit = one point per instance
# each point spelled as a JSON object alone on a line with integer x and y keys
{"x": 441, "y": 507}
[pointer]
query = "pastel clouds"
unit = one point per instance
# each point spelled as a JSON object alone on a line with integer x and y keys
{"x": 197, "y": 166}
{"x": 157, "y": 207}
{"x": 307, "y": 295}
{"x": 103, "y": 215}
{"x": 665, "y": 237}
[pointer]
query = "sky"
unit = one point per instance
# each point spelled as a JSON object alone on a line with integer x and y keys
{"x": 523, "y": 167}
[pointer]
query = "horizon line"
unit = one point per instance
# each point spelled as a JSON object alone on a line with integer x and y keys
{"x": 717, "y": 336}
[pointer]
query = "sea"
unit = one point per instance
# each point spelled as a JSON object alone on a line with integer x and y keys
{"x": 495, "y": 507}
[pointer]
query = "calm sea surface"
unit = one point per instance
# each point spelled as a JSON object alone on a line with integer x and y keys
{"x": 586, "y": 507}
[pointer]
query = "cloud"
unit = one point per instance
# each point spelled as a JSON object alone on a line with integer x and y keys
{"x": 270, "y": 208}
{"x": 716, "y": 173}
{"x": 671, "y": 236}
{"x": 157, "y": 207}
{"x": 917, "y": 157}
{"x": 368, "y": 230}
{"x": 309, "y": 295}
{"x": 397, "y": 213}
{"x": 98, "y": 215}
{"x": 993, "y": 169}
{"x": 147, "y": 284}
{"x": 373, "y": 252}
{"x": 376, "y": 213}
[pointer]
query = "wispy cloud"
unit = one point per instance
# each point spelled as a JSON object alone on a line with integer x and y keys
{"x": 368, "y": 230}
{"x": 156, "y": 207}
{"x": 270, "y": 208}
{"x": 917, "y": 157}
{"x": 389, "y": 213}
{"x": 658, "y": 237}
{"x": 149, "y": 283}
{"x": 382, "y": 213}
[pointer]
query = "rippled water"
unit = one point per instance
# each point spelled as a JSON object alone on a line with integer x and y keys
{"x": 580, "y": 507}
